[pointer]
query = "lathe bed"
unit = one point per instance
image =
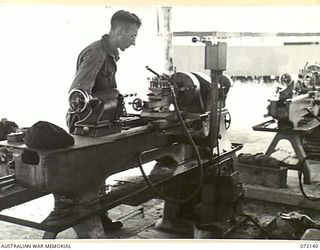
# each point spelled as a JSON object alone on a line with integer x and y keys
{"x": 130, "y": 193}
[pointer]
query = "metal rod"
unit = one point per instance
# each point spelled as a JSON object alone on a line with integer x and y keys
{"x": 152, "y": 71}
{"x": 7, "y": 177}
{"x": 137, "y": 211}
{"x": 7, "y": 180}
{"x": 27, "y": 223}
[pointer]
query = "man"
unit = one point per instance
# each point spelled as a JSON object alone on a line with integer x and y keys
{"x": 96, "y": 68}
{"x": 96, "y": 65}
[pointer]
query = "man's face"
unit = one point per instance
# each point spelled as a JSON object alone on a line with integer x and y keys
{"x": 128, "y": 36}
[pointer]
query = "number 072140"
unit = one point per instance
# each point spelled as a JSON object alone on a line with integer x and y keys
{"x": 309, "y": 245}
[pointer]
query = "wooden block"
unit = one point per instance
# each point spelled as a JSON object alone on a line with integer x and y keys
{"x": 291, "y": 195}
{"x": 270, "y": 177}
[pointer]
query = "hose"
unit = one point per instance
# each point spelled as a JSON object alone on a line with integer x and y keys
{"x": 301, "y": 166}
{"x": 185, "y": 129}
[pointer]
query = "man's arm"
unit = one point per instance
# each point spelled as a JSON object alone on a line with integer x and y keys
{"x": 88, "y": 70}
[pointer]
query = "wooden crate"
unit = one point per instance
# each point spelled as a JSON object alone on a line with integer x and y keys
{"x": 265, "y": 176}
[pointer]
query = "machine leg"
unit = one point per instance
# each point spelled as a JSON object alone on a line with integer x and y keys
{"x": 91, "y": 228}
{"x": 273, "y": 144}
{"x": 173, "y": 217}
{"x": 297, "y": 146}
{"x": 49, "y": 235}
{"x": 171, "y": 222}
{"x": 301, "y": 154}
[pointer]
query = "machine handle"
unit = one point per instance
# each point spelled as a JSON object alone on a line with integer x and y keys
{"x": 152, "y": 71}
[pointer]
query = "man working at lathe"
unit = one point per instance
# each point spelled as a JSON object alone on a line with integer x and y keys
{"x": 96, "y": 68}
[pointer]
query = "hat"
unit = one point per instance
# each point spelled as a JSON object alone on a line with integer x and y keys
{"x": 48, "y": 136}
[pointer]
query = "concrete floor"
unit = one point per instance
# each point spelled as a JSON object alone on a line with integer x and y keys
{"x": 247, "y": 103}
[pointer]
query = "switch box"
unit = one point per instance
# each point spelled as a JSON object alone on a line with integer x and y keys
{"x": 216, "y": 57}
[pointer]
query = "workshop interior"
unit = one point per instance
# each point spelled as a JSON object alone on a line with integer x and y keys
{"x": 180, "y": 150}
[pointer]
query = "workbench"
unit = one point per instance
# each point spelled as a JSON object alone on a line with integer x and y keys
{"x": 295, "y": 137}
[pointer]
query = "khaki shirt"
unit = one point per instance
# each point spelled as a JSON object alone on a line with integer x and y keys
{"x": 96, "y": 67}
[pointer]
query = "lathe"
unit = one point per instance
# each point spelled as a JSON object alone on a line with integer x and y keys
{"x": 297, "y": 100}
{"x": 295, "y": 113}
{"x": 195, "y": 164}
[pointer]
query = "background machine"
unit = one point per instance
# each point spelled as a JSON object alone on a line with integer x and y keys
{"x": 295, "y": 116}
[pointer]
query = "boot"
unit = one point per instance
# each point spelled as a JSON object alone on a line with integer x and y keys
{"x": 110, "y": 225}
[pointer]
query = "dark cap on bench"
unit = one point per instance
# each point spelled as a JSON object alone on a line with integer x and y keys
{"x": 47, "y": 136}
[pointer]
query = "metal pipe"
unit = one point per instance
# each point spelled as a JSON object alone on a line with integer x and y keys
{"x": 214, "y": 126}
{"x": 7, "y": 180}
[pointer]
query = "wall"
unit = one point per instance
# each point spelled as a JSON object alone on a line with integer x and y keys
{"x": 251, "y": 60}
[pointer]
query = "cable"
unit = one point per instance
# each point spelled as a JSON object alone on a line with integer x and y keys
{"x": 301, "y": 166}
{"x": 314, "y": 116}
{"x": 185, "y": 129}
{"x": 251, "y": 218}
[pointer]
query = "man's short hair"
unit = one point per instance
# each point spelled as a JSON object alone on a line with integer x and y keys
{"x": 124, "y": 17}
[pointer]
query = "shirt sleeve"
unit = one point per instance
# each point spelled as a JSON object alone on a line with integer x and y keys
{"x": 88, "y": 70}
